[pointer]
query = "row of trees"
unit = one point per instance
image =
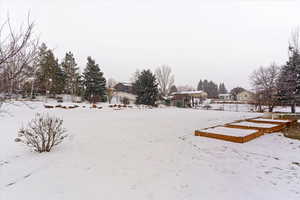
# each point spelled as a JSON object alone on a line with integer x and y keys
{"x": 27, "y": 66}
{"x": 49, "y": 77}
{"x": 276, "y": 85}
{"x": 212, "y": 89}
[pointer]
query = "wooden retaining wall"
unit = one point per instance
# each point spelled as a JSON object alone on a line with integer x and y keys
{"x": 271, "y": 122}
{"x": 237, "y": 139}
{"x": 262, "y": 129}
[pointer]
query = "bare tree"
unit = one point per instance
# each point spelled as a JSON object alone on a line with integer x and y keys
{"x": 19, "y": 68}
{"x": 18, "y": 50}
{"x": 264, "y": 82}
{"x": 165, "y": 79}
{"x": 111, "y": 83}
{"x": 13, "y": 42}
{"x": 110, "y": 88}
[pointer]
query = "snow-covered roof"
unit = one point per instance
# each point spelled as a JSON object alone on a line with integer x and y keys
{"x": 127, "y": 84}
{"x": 189, "y": 92}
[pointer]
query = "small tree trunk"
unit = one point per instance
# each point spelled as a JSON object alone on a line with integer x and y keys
{"x": 270, "y": 108}
{"x": 293, "y": 107}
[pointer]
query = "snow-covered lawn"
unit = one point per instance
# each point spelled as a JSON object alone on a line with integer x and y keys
{"x": 139, "y": 154}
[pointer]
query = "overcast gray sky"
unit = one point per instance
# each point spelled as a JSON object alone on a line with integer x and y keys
{"x": 222, "y": 41}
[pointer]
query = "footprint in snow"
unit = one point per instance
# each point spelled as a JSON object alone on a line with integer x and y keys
{"x": 26, "y": 176}
{"x": 3, "y": 162}
{"x": 296, "y": 163}
{"x": 10, "y": 184}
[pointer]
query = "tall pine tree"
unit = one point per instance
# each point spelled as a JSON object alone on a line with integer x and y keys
{"x": 222, "y": 89}
{"x": 72, "y": 75}
{"x": 146, "y": 88}
{"x": 94, "y": 82}
{"x": 200, "y": 85}
{"x": 289, "y": 80}
{"x": 50, "y": 76}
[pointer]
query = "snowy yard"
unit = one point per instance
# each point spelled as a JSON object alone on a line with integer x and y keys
{"x": 141, "y": 154}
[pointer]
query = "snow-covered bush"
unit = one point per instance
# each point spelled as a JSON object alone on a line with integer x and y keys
{"x": 42, "y": 133}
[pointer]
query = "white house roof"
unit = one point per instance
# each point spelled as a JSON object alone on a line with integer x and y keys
{"x": 189, "y": 92}
{"x": 126, "y": 84}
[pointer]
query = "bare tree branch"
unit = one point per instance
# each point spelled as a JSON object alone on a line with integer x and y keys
{"x": 18, "y": 51}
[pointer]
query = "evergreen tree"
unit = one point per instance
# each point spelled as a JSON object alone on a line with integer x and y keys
{"x": 146, "y": 88}
{"x": 205, "y": 86}
{"x": 222, "y": 89}
{"x": 289, "y": 80}
{"x": 58, "y": 80}
{"x": 71, "y": 72}
{"x": 210, "y": 88}
{"x": 200, "y": 85}
{"x": 50, "y": 77}
{"x": 212, "y": 91}
{"x": 43, "y": 74}
{"x": 94, "y": 82}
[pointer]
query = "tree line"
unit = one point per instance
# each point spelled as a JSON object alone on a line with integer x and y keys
{"x": 212, "y": 89}
{"x": 51, "y": 77}
{"x": 25, "y": 65}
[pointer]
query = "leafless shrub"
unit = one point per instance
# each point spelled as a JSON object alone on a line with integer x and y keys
{"x": 42, "y": 133}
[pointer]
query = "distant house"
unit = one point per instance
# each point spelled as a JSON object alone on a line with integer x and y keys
{"x": 122, "y": 91}
{"x": 244, "y": 96}
{"x": 225, "y": 97}
{"x": 124, "y": 87}
{"x": 188, "y": 98}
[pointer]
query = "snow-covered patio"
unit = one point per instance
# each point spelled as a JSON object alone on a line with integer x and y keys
{"x": 145, "y": 154}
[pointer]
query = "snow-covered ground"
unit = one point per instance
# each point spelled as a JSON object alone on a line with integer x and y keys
{"x": 145, "y": 154}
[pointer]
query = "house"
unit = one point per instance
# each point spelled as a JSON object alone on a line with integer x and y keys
{"x": 225, "y": 97}
{"x": 188, "y": 98}
{"x": 124, "y": 87}
{"x": 244, "y": 96}
{"x": 123, "y": 91}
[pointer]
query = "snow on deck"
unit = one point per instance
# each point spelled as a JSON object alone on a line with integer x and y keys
{"x": 271, "y": 120}
{"x": 253, "y": 124}
{"x": 230, "y": 131}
